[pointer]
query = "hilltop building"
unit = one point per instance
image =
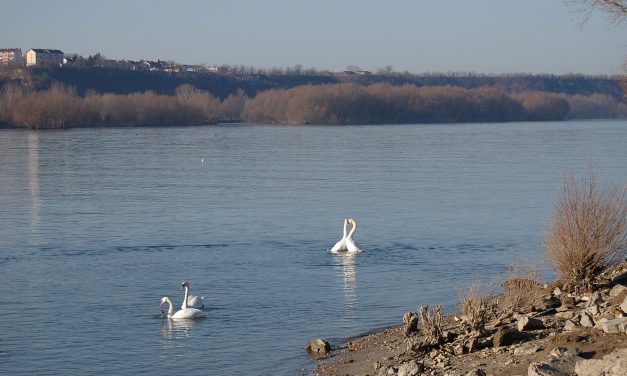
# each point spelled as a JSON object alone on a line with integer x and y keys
{"x": 41, "y": 56}
{"x": 10, "y": 56}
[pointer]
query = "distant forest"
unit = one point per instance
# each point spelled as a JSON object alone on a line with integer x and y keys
{"x": 39, "y": 98}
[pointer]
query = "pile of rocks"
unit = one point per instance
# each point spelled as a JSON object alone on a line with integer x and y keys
{"x": 517, "y": 335}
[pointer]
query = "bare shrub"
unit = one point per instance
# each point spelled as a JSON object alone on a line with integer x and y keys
{"x": 522, "y": 288}
{"x": 588, "y": 230}
{"x": 431, "y": 326}
{"x": 410, "y": 323}
{"x": 477, "y": 307}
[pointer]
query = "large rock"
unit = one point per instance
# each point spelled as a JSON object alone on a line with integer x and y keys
{"x": 618, "y": 325}
{"x": 529, "y": 323}
{"x": 623, "y": 306}
{"x": 504, "y": 336}
{"x": 612, "y": 364}
{"x": 548, "y": 303}
{"x": 564, "y": 366}
{"x": 411, "y": 368}
{"x": 586, "y": 320}
{"x": 318, "y": 347}
{"x": 617, "y": 290}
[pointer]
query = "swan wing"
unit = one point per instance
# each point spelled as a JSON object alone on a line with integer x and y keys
{"x": 351, "y": 246}
{"x": 339, "y": 246}
{"x": 196, "y": 301}
{"x": 188, "y": 313}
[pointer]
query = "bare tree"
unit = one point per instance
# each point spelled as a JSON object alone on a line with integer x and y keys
{"x": 614, "y": 10}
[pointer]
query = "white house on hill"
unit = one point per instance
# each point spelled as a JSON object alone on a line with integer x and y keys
{"x": 10, "y": 56}
{"x": 42, "y": 56}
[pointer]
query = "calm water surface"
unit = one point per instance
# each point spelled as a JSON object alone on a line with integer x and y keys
{"x": 96, "y": 225}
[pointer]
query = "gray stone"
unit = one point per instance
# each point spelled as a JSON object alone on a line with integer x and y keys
{"x": 527, "y": 349}
{"x": 618, "y": 325}
{"x": 612, "y": 364}
{"x": 529, "y": 323}
{"x": 595, "y": 299}
{"x": 570, "y": 325}
{"x": 566, "y": 315}
{"x": 557, "y": 291}
{"x": 318, "y": 347}
{"x": 593, "y": 309}
{"x": 411, "y": 368}
{"x": 560, "y": 352}
{"x": 504, "y": 336}
{"x": 564, "y": 366}
{"x": 617, "y": 290}
{"x": 598, "y": 324}
{"x": 568, "y": 302}
{"x": 586, "y": 320}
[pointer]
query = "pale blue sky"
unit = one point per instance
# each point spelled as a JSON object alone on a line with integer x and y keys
{"x": 485, "y": 36}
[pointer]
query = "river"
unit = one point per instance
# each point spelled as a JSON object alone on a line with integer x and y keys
{"x": 96, "y": 225}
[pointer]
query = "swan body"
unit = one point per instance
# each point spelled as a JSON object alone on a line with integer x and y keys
{"x": 340, "y": 246}
{"x": 351, "y": 247}
{"x": 185, "y": 313}
{"x": 191, "y": 301}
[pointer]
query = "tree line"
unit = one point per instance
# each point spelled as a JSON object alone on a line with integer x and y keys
{"x": 386, "y": 103}
{"x": 60, "y": 106}
{"x": 105, "y": 79}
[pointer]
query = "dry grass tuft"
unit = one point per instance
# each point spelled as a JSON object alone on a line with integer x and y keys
{"x": 588, "y": 232}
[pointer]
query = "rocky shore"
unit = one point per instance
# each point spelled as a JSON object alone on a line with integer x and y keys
{"x": 556, "y": 333}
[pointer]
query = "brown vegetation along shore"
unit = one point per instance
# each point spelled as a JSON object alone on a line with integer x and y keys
{"x": 60, "y": 106}
{"x": 569, "y": 334}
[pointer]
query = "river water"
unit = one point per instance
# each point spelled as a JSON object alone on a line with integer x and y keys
{"x": 96, "y": 225}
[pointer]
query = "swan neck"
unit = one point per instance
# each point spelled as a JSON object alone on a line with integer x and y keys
{"x": 350, "y": 235}
{"x": 170, "y": 307}
{"x": 345, "y": 229}
{"x": 184, "y": 305}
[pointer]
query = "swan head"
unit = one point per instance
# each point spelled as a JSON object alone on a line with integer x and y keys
{"x": 164, "y": 300}
{"x": 184, "y": 284}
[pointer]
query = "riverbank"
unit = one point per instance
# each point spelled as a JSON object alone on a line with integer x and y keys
{"x": 563, "y": 333}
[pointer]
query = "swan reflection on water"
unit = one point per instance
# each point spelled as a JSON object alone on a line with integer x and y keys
{"x": 349, "y": 276}
{"x": 174, "y": 330}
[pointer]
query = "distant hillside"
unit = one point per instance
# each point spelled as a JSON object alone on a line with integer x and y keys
{"x": 120, "y": 81}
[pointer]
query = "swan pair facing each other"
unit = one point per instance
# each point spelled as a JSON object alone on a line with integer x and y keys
{"x": 189, "y": 308}
{"x": 347, "y": 244}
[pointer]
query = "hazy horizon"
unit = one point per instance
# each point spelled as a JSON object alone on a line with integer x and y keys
{"x": 532, "y": 37}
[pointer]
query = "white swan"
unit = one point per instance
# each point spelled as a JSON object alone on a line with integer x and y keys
{"x": 191, "y": 301}
{"x": 351, "y": 247}
{"x": 340, "y": 246}
{"x": 185, "y": 313}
